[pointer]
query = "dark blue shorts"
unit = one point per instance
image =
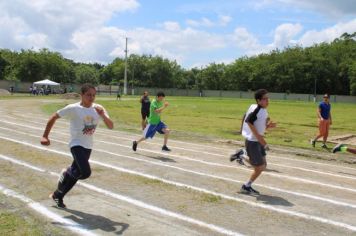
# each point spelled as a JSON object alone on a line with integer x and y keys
{"x": 151, "y": 130}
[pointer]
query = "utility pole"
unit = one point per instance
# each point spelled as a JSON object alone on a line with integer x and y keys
{"x": 125, "y": 75}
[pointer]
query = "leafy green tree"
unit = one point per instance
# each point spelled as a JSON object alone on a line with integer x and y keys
{"x": 86, "y": 74}
{"x": 352, "y": 73}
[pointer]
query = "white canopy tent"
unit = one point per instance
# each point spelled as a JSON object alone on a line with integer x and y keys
{"x": 45, "y": 87}
{"x": 46, "y": 82}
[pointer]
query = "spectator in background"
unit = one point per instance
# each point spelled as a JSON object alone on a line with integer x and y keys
{"x": 324, "y": 117}
{"x": 12, "y": 90}
{"x": 145, "y": 109}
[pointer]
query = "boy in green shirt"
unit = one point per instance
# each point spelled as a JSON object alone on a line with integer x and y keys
{"x": 154, "y": 122}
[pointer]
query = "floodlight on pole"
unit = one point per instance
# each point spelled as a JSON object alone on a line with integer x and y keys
{"x": 125, "y": 75}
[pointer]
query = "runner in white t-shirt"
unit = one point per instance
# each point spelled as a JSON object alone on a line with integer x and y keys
{"x": 84, "y": 117}
{"x": 256, "y": 122}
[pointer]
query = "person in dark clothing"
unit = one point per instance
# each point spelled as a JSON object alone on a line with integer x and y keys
{"x": 145, "y": 109}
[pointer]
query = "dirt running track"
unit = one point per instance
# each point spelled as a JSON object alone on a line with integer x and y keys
{"x": 194, "y": 190}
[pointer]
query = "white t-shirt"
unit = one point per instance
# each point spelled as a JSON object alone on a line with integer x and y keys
{"x": 258, "y": 116}
{"x": 83, "y": 122}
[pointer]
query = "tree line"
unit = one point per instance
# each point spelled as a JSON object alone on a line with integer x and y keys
{"x": 332, "y": 66}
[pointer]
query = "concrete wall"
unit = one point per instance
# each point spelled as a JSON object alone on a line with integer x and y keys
{"x": 112, "y": 90}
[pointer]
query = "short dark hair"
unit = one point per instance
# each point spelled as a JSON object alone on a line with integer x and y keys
{"x": 160, "y": 94}
{"x": 260, "y": 93}
{"x": 86, "y": 87}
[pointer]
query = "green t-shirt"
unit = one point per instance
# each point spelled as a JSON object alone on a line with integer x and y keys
{"x": 155, "y": 117}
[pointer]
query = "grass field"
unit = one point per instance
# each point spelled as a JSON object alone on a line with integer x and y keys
{"x": 220, "y": 118}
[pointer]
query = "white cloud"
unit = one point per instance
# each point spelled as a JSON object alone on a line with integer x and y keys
{"x": 327, "y": 35}
{"x": 55, "y": 20}
{"x": 175, "y": 45}
{"x": 202, "y": 22}
{"x": 335, "y": 8}
{"x": 224, "y": 20}
{"x": 78, "y": 30}
{"x": 245, "y": 40}
{"x": 171, "y": 26}
{"x": 205, "y": 22}
{"x": 284, "y": 35}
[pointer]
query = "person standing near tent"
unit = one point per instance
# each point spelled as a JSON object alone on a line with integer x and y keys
{"x": 84, "y": 117}
{"x": 145, "y": 109}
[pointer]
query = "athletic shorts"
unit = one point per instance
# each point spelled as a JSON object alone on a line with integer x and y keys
{"x": 324, "y": 127}
{"x": 145, "y": 114}
{"x": 256, "y": 152}
{"x": 151, "y": 130}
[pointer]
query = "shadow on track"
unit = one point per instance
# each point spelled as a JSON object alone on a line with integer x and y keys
{"x": 93, "y": 222}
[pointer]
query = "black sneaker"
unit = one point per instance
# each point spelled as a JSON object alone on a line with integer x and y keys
{"x": 238, "y": 156}
{"x": 58, "y": 201}
{"x": 338, "y": 147}
{"x": 166, "y": 149}
{"x": 134, "y": 146}
{"x": 312, "y": 142}
{"x": 324, "y": 146}
{"x": 249, "y": 190}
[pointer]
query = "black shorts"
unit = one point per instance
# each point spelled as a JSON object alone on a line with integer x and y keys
{"x": 145, "y": 114}
{"x": 256, "y": 152}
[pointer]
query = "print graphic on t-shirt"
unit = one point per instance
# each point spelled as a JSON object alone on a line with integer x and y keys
{"x": 89, "y": 126}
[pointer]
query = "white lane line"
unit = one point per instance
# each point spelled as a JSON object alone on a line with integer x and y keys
{"x": 229, "y": 166}
{"x": 217, "y": 164}
{"x": 132, "y": 201}
{"x": 131, "y": 134}
{"x": 328, "y": 200}
{"x": 104, "y": 132}
{"x": 65, "y": 223}
{"x": 255, "y": 204}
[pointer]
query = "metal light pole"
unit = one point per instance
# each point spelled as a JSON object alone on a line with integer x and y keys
{"x": 125, "y": 75}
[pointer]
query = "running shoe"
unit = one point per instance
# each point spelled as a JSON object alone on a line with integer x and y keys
{"x": 134, "y": 146}
{"x": 57, "y": 200}
{"x": 166, "y": 149}
{"x": 338, "y": 147}
{"x": 238, "y": 156}
{"x": 312, "y": 142}
{"x": 249, "y": 190}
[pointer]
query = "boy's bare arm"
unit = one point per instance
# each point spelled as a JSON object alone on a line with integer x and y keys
{"x": 45, "y": 140}
{"x": 159, "y": 110}
{"x": 270, "y": 124}
{"x": 319, "y": 114}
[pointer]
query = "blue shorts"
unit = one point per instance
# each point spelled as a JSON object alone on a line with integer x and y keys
{"x": 151, "y": 130}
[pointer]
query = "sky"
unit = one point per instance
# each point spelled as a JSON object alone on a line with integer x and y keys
{"x": 194, "y": 33}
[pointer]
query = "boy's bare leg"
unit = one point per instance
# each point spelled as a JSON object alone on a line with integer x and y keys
{"x": 166, "y": 135}
{"x": 257, "y": 172}
{"x": 140, "y": 140}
